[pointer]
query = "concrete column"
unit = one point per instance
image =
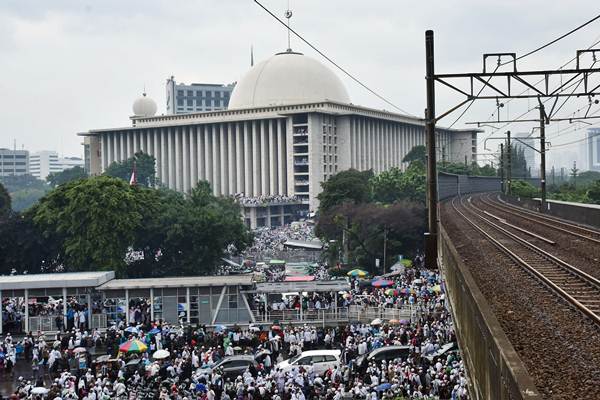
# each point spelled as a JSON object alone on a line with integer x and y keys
{"x": 189, "y": 306}
{"x": 208, "y": 154}
{"x": 223, "y": 161}
{"x": 142, "y": 141}
{"x": 281, "y": 158}
{"x": 273, "y": 171}
{"x": 239, "y": 157}
{"x": 115, "y": 147}
{"x": 156, "y": 153}
{"x": 264, "y": 156}
{"x": 178, "y": 159}
{"x": 129, "y": 142}
{"x": 103, "y": 151}
{"x": 200, "y": 152}
{"x": 136, "y": 143}
{"x": 185, "y": 149}
{"x": 152, "y": 304}
{"x": 248, "y": 186}
{"x": 164, "y": 158}
{"x": 64, "y": 310}
{"x": 255, "y": 159}
{"x": 122, "y": 155}
{"x": 216, "y": 170}
{"x": 171, "y": 157}
{"x": 26, "y": 311}
{"x": 193, "y": 156}
{"x": 127, "y": 306}
{"x": 231, "y": 171}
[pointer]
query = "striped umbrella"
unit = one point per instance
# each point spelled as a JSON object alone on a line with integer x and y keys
{"x": 381, "y": 283}
{"x": 133, "y": 346}
{"x": 357, "y": 272}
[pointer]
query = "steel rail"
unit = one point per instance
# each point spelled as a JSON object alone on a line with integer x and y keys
{"x": 537, "y": 218}
{"x": 562, "y": 271}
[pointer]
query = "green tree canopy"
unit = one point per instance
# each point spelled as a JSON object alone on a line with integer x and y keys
{"x": 417, "y": 153}
{"x": 593, "y": 193}
{"x": 5, "y": 206}
{"x": 347, "y": 186}
{"x": 68, "y": 175}
{"x": 144, "y": 166}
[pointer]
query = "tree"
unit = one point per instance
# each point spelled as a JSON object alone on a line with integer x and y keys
{"x": 25, "y": 198}
{"x": 144, "y": 166}
{"x": 68, "y": 175}
{"x": 347, "y": 186}
{"x": 417, "y": 153}
{"x": 94, "y": 219}
{"x": 523, "y": 189}
{"x": 5, "y": 206}
{"x": 593, "y": 193}
{"x": 24, "y": 190}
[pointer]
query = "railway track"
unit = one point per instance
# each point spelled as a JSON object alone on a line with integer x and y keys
{"x": 544, "y": 220}
{"x": 578, "y": 288}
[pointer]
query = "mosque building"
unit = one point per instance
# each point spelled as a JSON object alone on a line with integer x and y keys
{"x": 290, "y": 125}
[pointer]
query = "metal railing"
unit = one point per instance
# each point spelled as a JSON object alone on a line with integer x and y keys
{"x": 368, "y": 314}
{"x": 295, "y": 316}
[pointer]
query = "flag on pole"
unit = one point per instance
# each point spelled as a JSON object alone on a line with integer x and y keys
{"x": 133, "y": 179}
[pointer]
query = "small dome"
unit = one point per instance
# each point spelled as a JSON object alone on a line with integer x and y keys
{"x": 287, "y": 78}
{"x": 144, "y": 107}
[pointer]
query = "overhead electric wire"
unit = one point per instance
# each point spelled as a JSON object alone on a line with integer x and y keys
{"x": 554, "y": 41}
{"x": 473, "y": 100}
{"x": 333, "y": 62}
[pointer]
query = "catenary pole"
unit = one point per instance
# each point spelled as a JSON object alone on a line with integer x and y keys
{"x": 543, "y": 156}
{"x": 432, "y": 211}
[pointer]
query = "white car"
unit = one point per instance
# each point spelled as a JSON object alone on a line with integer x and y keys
{"x": 321, "y": 361}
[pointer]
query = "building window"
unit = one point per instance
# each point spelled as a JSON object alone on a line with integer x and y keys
{"x": 180, "y": 93}
{"x": 190, "y": 93}
{"x": 179, "y": 102}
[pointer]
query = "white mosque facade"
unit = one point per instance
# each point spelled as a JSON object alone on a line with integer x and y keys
{"x": 289, "y": 127}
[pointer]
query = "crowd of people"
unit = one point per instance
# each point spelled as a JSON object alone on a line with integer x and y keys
{"x": 271, "y": 240}
{"x": 264, "y": 200}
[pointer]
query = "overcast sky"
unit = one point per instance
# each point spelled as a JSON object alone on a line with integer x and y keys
{"x": 71, "y": 66}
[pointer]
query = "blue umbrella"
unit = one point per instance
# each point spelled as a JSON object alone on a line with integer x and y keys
{"x": 201, "y": 387}
{"x": 383, "y": 386}
{"x": 220, "y": 328}
{"x": 132, "y": 329}
{"x": 154, "y": 331}
{"x": 2, "y": 354}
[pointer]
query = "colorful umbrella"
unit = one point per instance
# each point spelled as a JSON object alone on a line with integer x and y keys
{"x": 133, "y": 346}
{"x": 379, "y": 283}
{"x": 220, "y": 328}
{"x": 392, "y": 292}
{"x": 394, "y": 322}
{"x": 358, "y": 272}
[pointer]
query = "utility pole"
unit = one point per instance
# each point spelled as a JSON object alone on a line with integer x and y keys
{"x": 432, "y": 239}
{"x": 384, "y": 248}
{"x": 543, "y": 155}
{"x": 502, "y": 186}
{"x": 509, "y": 163}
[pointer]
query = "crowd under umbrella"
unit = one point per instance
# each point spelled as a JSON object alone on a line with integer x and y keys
{"x": 133, "y": 346}
{"x": 357, "y": 273}
{"x": 161, "y": 354}
{"x": 381, "y": 283}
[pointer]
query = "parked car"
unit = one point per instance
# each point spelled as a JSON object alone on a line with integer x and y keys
{"x": 232, "y": 366}
{"x": 387, "y": 353}
{"x": 443, "y": 351}
{"x": 321, "y": 361}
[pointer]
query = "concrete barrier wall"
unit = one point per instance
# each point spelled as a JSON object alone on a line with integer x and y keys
{"x": 586, "y": 214}
{"x": 494, "y": 367}
{"x": 450, "y": 185}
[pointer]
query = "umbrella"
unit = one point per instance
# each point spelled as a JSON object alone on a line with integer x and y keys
{"x": 237, "y": 348}
{"x": 276, "y": 328}
{"x": 383, "y": 386}
{"x": 132, "y": 329}
{"x": 103, "y": 359}
{"x": 56, "y": 343}
{"x": 39, "y": 390}
{"x": 394, "y": 321}
{"x": 437, "y": 288}
{"x": 263, "y": 352}
{"x": 160, "y": 354}
{"x": 376, "y": 322}
{"x": 254, "y": 329}
{"x": 382, "y": 283}
{"x": 154, "y": 331}
{"x": 2, "y": 355}
{"x": 357, "y": 272}
{"x": 392, "y": 292}
{"x": 404, "y": 321}
{"x": 220, "y": 328}
{"x": 133, "y": 346}
{"x": 79, "y": 350}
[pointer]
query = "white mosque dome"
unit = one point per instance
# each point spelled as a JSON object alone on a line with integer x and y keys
{"x": 287, "y": 78}
{"x": 144, "y": 107}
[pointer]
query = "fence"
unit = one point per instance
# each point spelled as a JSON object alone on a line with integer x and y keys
{"x": 327, "y": 317}
{"x": 47, "y": 323}
{"x": 367, "y": 314}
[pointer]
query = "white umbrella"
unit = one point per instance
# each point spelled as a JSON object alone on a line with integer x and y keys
{"x": 160, "y": 354}
{"x": 79, "y": 350}
{"x": 376, "y": 322}
{"x": 39, "y": 390}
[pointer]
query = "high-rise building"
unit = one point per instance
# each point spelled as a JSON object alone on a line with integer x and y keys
{"x": 14, "y": 162}
{"x": 44, "y": 163}
{"x": 593, "y": 146}
{"x": 528, "y": 145}
{"x": 290, "y": 126}
{"x": 197, "y": 97}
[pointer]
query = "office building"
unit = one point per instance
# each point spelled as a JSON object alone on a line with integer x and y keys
{"x": 197, "y": 97}
{"x": 289, "y": 127}
{"x": 44, "y": 163}
{"x": 593, "y": 149}
{"x": 14, "y": 162}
